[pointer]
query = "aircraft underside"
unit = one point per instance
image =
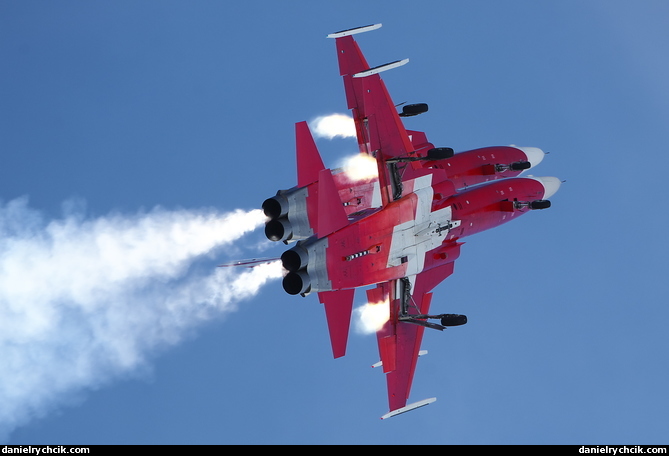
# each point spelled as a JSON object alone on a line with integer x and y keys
{"x": 398, "y": 230}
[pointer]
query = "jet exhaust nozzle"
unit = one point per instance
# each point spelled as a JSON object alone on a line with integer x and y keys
{"x": 297, "y": 282}
{"x": 278, "y": 230}
{"x": 295, "y": 259}
{"x": 275, "y": 207}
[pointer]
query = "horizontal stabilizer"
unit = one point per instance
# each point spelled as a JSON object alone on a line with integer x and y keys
{"x": 409, "y": 407}
{"x": 353, "y": 31}
{"x": 380, "y": 363}
{"x": 338, "y": 308}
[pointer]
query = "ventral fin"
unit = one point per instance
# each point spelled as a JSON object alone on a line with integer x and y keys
{"x": 338, "y": 308}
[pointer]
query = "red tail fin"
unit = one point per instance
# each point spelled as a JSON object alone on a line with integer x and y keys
{"x": 309, "y": 161}
{"x": 331, "y": 213}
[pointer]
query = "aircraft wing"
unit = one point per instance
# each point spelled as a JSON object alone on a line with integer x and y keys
{"x": 379, "y": 129}
{"x": 399, "y": 341}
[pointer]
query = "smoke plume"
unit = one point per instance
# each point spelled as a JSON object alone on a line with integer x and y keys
{"x": 84, "y": 301}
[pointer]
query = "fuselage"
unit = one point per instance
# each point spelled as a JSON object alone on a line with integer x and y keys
{"x": 417, "y": 232}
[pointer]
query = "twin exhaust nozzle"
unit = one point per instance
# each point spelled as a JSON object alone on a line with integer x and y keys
{"x": 297, "y": 280}
{"x": 277, "y": 228}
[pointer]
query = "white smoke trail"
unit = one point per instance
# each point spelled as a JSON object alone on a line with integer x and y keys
{"x": 333, "y": 125}
{"x": 85, "y": 301}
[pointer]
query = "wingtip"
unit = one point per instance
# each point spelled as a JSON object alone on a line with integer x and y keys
{"x": 355, "y": 30}
{"x": 381, "y": 68}
{"x": 409, "y": 407}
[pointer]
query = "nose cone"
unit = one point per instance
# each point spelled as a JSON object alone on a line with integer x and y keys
{"x": 534, "y": 155}
{"x": 551, "y": 185}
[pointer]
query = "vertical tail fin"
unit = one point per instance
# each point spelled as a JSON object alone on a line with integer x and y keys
{"x": 331, "y": 213}
{"x": 309, "y": 161}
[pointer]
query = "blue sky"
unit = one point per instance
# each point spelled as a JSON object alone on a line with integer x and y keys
{"x": 124, "y": 106}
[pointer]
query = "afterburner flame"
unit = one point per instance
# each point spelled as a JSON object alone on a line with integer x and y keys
{"x": 333, "y": 125}
{"x": 372, "y": 316}
{"x": 361, "y": 167}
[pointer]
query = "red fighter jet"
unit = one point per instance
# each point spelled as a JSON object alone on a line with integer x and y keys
{"x": 398, "y": 231}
